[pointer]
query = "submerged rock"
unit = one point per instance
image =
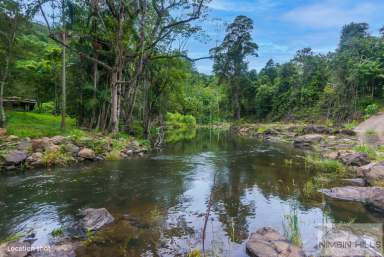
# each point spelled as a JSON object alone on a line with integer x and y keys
{"x": 355, "y": 159}
{"x": 87, "y": 153}
{"x": 15, "y": 157}
{"x": 372, "y": 196}
{"x": 267, "y": 242}
{"x": 94, "y": 219}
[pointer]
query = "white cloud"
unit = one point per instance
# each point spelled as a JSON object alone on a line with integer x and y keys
{"x": 242, "y": 6}
{"x": 334, "y": 13}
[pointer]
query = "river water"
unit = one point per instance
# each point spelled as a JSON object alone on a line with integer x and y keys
{"x": 160, "y": 201}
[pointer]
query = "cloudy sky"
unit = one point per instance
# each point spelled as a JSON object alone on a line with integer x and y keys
{"x": 284, "y": 26}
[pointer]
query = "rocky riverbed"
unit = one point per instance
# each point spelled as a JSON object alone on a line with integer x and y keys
{"x": 25, "y": 153}
{"x": 365, "y": 174}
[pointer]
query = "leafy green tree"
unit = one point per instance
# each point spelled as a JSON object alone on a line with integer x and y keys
{"x": 230, "y": 57}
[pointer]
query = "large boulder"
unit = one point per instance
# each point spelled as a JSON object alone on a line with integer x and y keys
{"x": 372, "y": 196}
{"x": 15, "y": 157}
{"x": 87, "y": 153}
{"x": 374, "y": 174}
{"x": 354, "y": 159}
{"x": 94, "y": 219}
{"x": 307, "y": 140}
{"x": 267, "y": 242}
{"x": 15, "y": 249}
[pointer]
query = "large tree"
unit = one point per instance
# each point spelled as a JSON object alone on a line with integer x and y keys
{"x": 11, "y": 18}
{"x": 230, "y": 57}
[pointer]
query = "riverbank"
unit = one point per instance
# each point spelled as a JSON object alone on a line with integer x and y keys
{"x": 340, "y": 152}
{"x": 47, "y": 152}
{"x": 33, "y": 140}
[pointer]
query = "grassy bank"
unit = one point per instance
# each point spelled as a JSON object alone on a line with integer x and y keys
{"x": 35, "y": 125}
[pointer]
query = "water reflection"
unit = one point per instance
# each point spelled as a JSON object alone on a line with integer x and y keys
{"x": 160, "y": 201}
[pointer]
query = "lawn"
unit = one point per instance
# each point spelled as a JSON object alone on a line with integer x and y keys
{"x": 33, "y": 125}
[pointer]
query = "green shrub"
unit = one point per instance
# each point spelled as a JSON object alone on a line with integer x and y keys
{"x": 48, "y": 107}
{"x": 367, "y": 150}
{"x": 113, "y": 155}
{"x": 56, "y": 158}
{"x": 350, "y": 125}
{"x": 57, "y": 232}
{"x": 370, "y": 110}
{"x": 177, "y": 120}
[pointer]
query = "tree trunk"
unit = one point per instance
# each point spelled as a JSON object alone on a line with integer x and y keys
{"x": 114, "y": 105}
{"x": 2, "y": 84}
{"x": 95, "y": 80}
{"x": 236, "y": 103}
{"x": 63, "y": 85}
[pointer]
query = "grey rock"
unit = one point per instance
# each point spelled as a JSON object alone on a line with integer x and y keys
{"x": 267, "y": 242}
{"x": 15, "y": 157}
{"x": 374, "y": 174}
{"x": 35, "y": 159}
{"x": 57, "y": 140}
{"x": 71, "y": 148}
{"x": 307, "y": 140}
{"x": 317, "y": 129}
{"x": 354, "y": 159}
{"x": 24, "y": 145}
{"x": 94, "y": 219}
{"x": 356, "y": 181}
{"x": 372, "y": 196}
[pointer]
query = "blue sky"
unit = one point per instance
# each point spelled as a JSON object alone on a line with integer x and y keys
{"x": 284, "y": 26}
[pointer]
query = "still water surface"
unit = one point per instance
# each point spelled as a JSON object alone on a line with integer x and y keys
{"x": 160, "y": 201}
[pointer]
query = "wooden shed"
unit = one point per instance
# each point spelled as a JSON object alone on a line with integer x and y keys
{"x": 17, "y": 103}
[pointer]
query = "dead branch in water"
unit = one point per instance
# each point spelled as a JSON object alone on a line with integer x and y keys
{"x": 206, "y": 217}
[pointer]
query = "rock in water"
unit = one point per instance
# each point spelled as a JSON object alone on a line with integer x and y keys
{"x": 87, "y": 153}
{"x": 307, "y": 140}
{"x": 355, "y": 159}
{"x": 15, "y": 249}
{"x": 94, "y": 219}
{"x": 267, "y": 242}
{"x": 372, "y": 196}
{"x": 15, "y": 157}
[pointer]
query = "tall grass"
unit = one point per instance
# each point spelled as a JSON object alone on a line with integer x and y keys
{"x": 326, "y": 165}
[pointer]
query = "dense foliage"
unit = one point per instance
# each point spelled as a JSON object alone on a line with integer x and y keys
{"x": 121, "y": 70}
